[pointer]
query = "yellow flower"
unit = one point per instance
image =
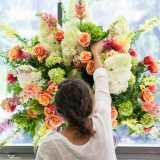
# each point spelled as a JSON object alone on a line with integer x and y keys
{"x": 126, "y": 41}
{"x": 42, "y": 130}
{"x": 149, "y": 81}
{"x": 142, "y": 86}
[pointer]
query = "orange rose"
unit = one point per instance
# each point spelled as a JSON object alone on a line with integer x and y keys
{"x": 147, "y": 95}
{"x": 15, "y": 53}
{"x": 80, "y": 10}
{"x": 114, "y": 114}
{"x": 53, "y": 122}
{"x": 85, "y": 56}
{"x": 44, "y": 98}
{"x": 114, "y": 124}
{"x": 31, "y": 113}
{"x": 49, "y": 110}
{"x": 84, "y": 39}
{"x": 90, "y": 67}
{"x": 40, "y": 52}
{"x": 116, "y": 44}
{"x": 59, "y": 35}
{"x": 53, "y": 88}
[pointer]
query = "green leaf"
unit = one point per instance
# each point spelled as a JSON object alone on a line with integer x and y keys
{"x": 148, "y": 25}
{"x": 14, "y": 88}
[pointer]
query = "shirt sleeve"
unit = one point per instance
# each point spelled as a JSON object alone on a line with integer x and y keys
{"x": 102, "y": 95}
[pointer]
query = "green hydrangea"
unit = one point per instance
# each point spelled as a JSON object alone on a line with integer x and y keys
{"x": 102, "y": 57}
{"x": 126, "y": 108}
{"x": 147, "y": 120}
{"x": 52, "y": 60}
{"x": 96, "y": 32}
{"x": 56, "y": 75}
{"x": 132, "y": 80}
{"x": 75, "y": 74}
{"x": 36, "y": 106}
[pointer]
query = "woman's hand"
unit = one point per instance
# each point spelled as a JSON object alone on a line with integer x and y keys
{"x": 96, "y": 49}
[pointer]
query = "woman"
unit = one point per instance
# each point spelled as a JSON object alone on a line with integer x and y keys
{"x": 89, "y": 133}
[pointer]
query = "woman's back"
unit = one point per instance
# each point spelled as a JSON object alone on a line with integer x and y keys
{"x": 100, "y": 146}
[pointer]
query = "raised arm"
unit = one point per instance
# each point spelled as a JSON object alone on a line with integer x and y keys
{"x": 102, "y": 95}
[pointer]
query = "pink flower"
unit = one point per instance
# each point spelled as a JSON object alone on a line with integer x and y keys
{"x": 31, "y": 90}
{"x": 114, "y": 113}
{"x": 80, "y": 10}
{"x": 25, "y": 55}
{"x": 11, "y": 78}
{"x": 114, "y": 44}
{"x": 152, "y": 88}
{"x": 149, "y": 107}
{"x": 9, "y": 104}
{"x": 132, "y": 52}
{"x": 153, "y": 108}
{"x": 148, "y": 60}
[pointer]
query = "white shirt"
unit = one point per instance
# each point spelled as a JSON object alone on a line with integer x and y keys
{"x": 99, "y": 147}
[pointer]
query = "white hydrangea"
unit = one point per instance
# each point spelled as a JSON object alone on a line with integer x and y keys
{"x": 47, "y": 38}
{"x": 118, "y": 62}
{"x": 69, "y": 44}
{"x": 119, "y": 72}
{"x": 27, "y": 74}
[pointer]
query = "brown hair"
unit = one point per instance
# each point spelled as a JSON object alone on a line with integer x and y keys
{"x": 74, "y": 102}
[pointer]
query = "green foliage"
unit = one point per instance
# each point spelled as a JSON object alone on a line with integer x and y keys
{"x": 36, "y": 106}
{"x": 11, "y": 33}
{"x": 134, "y": 35}
{"x": 134, "y": 64}
{"x": 14, "y": 88}
{"x": 28, "y": 124}
{"x": 96, "y": 32}
{"x": 148, "y": 25}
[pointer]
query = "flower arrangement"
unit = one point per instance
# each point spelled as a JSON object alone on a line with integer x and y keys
{"x": 38, "y": 65}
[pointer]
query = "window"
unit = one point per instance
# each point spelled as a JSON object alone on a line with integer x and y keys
{"x": 20, "y": 15}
